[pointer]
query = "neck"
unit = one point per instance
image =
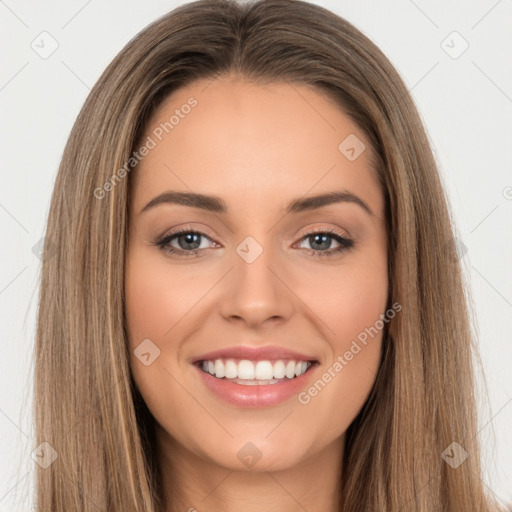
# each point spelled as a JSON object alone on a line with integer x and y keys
{"x": 191, "y": 483}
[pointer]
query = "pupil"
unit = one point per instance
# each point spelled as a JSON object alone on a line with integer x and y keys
{"x": 324, "y": 241}
{"x": 191, "y": 238}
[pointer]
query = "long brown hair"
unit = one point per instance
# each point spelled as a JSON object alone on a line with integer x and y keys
{"x": 86, "y": 404}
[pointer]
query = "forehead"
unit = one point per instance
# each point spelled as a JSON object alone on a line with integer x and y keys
{"x": 252, "y": 143}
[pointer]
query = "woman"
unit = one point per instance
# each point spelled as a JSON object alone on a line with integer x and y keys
{"x": 253, "y": 297}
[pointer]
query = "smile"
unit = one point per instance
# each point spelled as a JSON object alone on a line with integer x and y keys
{"x": 247, "y": 372}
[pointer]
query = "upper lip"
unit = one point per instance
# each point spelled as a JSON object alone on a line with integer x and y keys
{"x": 268, "y": 352}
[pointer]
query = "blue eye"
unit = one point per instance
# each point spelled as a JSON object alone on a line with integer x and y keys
{"x": 189, "y": 242}
{"x": 324, "y": 238}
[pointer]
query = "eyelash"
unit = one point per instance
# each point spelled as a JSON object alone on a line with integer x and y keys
{"x": 345, "y": 243}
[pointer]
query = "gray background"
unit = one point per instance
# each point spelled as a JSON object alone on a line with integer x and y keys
{"x": 464, "y": 97}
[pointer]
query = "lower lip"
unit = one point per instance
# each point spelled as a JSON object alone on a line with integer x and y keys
{"x": 265, "y": 395}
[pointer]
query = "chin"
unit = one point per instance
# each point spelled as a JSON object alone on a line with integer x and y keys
{"x": 256, "y": 453}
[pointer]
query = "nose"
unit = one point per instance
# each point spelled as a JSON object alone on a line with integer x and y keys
{"x": 256, "y": 291}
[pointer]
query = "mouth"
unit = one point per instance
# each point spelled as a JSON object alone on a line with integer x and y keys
{"x": 248, "y": 372}
{"x": 255, "y": 377}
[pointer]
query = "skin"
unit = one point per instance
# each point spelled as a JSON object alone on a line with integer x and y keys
{"x": 258, "y": 147}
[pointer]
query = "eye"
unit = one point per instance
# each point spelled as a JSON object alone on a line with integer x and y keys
{"x": 320, "y": 240}
{"x": 184, "y": 242}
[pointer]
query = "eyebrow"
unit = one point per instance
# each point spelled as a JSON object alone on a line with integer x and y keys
{"x": 217, "y": 205}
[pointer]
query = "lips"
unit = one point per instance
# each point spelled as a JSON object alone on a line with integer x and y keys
{"x": 255, "y": 376}
{"x": 268, "y": 353}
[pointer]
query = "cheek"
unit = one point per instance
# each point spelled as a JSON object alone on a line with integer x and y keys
{"x": 351, "y": 302}
{"x": 162, "y": 301}
{"x": 152, "y": 310}
{"x": 159, "y": 296}
{"x": 347, "y": 299}
{"x": 149, "y": 305}
{"x": 357, "y": 307}
{"x": 156, "y": 301}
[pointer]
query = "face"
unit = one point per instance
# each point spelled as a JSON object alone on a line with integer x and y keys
{"x": 249, "y": 305}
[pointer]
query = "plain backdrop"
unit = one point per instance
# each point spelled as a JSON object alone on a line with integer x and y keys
{"x": 454, "y": 56}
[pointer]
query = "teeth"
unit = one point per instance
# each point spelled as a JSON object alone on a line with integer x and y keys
{"x": 231, "y": 369}
{"x": 264, "y": 370}
{"x": 290, "y": 369}
{"x": 279, "y": 370}
{"x": 257, "y": 371}
{"x": 219, "y": 369}
{"x": 245, "y": 369}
